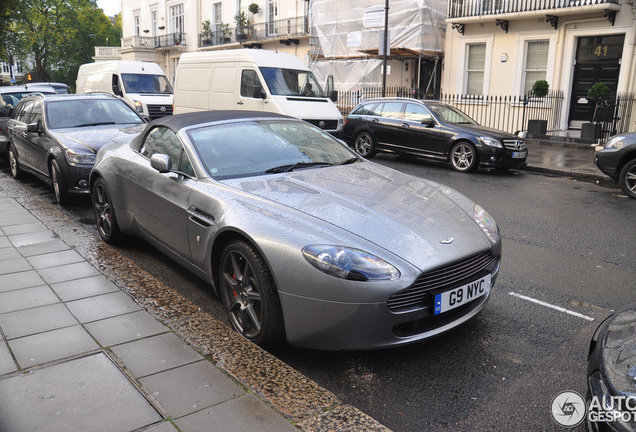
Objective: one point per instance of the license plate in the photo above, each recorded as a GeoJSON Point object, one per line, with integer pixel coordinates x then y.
{"type": "Point", "coordinates": [460, 296]}
{"type": "Point", "coordinates": [518, 155]}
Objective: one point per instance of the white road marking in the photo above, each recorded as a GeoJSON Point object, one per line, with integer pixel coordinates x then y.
{"type": "Point", "coordinates": [560, 309]}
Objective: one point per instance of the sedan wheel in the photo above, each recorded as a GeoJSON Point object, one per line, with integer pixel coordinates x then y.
{"type": "Point", "coordinates": [627, 179]}
{"type": "Point", "coordinates": [364, 145]}
{"type": "Point", "coordinates": [14, 164]}
{"type": "Point", "coordinates": [249, 295]}
{"type": "Point", "coordinates": [463, 157]}
{"type": "Point", "coordinates": [105, 213]}
{"type": "Point", "coordinates": [59, 184]}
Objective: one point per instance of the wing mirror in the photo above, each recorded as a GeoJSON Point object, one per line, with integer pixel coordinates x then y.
{"type": "Point", "coordinates": [34, 127]}
{"type": "Point", "coordinates": [258, 92]}
{"type": "Point", "coordinates": [428, 121]}
{"type": "Point", "coordinates": [117, 90]}
{"type": "Point", "coordinates": [161, 162]}
{"type": "Point", "coordinates": [333, 95]}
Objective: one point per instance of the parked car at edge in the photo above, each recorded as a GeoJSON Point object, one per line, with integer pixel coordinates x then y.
{"type": "Point", "coordinates": [433, 130]}
{"type": "Point", "coordinates": [611, 374]}
{"type": "Point", "coordinates": [618, 160]}
{"type": "Point", "coordinates": [304, 241]}
{"type": "Point", "coordinates": [60, 88]}
{"type": "Point", "coordinates": [55, 137]}
{"type": "Point", "coordinates": [10, 97]}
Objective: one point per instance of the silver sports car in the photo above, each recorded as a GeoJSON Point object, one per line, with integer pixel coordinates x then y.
{"type": "Point", "coordinates": [304, 241]}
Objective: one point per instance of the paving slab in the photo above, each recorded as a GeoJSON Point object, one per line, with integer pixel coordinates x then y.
{"type": "Point", "coordinates": [14, 265]}
{"type": "Point", "coordinates": [50, 346]}
{"type": "Point", "coordinates": [245, 413]}
{"type": "Point", "coordinates": [27, 298]}
{"type": "Point", "coordinates": [125, 328]}
{"type": "Point", "coordinates": [70, 396]}
{"type": "Point", "coordinates": [8, 253]}
{"type": "Point", "coordinates": [55, 259]}
{"type": "Point", "coordinates": [4, 242]}
{"type": "Point", "coordinates": [37, 320]}
{"type": "Point", "coordinates": [24, 228]}
{"type": "Point", "coordinates": [28, 239]}
{"type": "Point", "coordinates": [82, 288]}
{"type": "Point", "coordinates": [155, 354]}
{"type": "Point", "coordinates": [162, 427]}
{"type": "Point", "coordinates": [191, 388]}
{"type": "Point", "coordinates": [42, 248]}
{"type": "Point", "coordinates": [102, 306]}
{"type": "Point", "coordinates": [7, 365]}
{"type": "Point", "coordinates": [14, 281]}
{"type": "Point", "coordinates": [68, 272]}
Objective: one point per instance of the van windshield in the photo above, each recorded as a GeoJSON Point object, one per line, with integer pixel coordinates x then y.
{"type": "Point", "coordinates": [146, 83]}
{"type": "Point", "coordinates": [290, 82]}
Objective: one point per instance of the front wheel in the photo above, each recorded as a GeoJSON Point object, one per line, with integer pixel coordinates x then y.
{"type": "Point", "coordinates": [105, 213]}
{"type": "Point", "coordinates": [364, 145]}
{"type": "Point", "coordinates": [463, 157]}
{"type": "Point", "coordinates": [14, 164]}
{"type": "Point", "coordinates": [249, 295]}
{"type": "Point", "coordinates": [627, 179]}
{"type": "Point", "coordinates": [59, 184]}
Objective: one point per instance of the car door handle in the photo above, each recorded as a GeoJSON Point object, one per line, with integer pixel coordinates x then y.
{"type": "Point", "coordinates": [405, 125]}
{"type": "Point", "coordinates": [375, 120]}
{"type": "Point", "coordinates": [239, 103]}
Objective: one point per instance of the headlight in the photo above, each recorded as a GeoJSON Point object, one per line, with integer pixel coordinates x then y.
{"type": "Point", "coordinates": [491, 142]}
{"type": "Point", "coordinates": [615, 143]}
{"type": "Point", "coordinates": [139, 107]}
{"type": "Point", "coordinates": [340, 124]}
{"type": "Point", "coordinates": [349, 263]}
{"type": "Point", "coordinates": [74, 157]}
{"type": "Point", "coordinates": [486, 223]}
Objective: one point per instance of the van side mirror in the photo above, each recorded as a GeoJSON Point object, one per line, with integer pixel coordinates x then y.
{"type": "Point", "coordinates": [258, 92]}
{"type": "Point", "coordinates": [161, 162]}
{"type": "Point", "coordinates": [333, 95]}
{"type": "Point", "coordinates": [117, 90]}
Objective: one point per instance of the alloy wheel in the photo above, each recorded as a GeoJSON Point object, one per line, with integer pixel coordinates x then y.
{"type": "Point", "coordinates": [463, 157]}
{"type": "Point", "coordinates": [103, 214]}
{"type": "Point", "coordinates": [627, 179]}
{"type": "Point", "coordinates": [364, 145]}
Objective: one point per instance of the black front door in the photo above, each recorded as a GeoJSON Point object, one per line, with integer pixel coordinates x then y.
{"type": "Point", "coordinates": [597, 60]}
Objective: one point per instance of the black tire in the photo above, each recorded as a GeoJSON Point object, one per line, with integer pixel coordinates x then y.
{"type": "Point", "coordinates": [249, 295]}
{"type": "Point", "coordinates": [463, 157]}
{"type": "Point", "coordinates": [14, 164]}
{"type": "Point", "coordinates": [364, 145]}
{"type": "Point", "coordinates": [627, 179]}
{"type": "Point", "coordinates": [59, 184]}
{"type": "Point", "coordinates": [105, 218]}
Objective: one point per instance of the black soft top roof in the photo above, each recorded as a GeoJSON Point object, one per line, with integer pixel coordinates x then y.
{"type": "Point", "coordinates": [180, 121]}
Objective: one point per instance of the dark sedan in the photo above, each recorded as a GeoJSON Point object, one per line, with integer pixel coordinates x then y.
{"type": "Point", "coordinates": [434, 130]}
{"type": "Point", "coordinates": [56, 137]}
{"type": "Point", "coordinates": [618, 160]}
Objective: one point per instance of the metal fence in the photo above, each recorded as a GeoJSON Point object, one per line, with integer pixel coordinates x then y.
{"type": "Point", "coordinates": [470, 8]}
{"type": "Point", "coordinates": [507, 113]}
{"type": "Point", "coordinates": [613, 115]}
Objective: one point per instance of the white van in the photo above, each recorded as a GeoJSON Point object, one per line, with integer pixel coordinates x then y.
{"type": "Point", "coordinates": [256, 80]}
{"type": "Point", "coordinates": [142, 85]}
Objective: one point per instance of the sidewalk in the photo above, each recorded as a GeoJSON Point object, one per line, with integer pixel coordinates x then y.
{"type": "Point", "coordinates": [88, 341]}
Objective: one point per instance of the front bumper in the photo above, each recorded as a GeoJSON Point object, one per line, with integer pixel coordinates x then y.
{"type": "Point", "coordinates": [607, 161]}
{"type": "Point", "coordinates": [493, 157]}
{"type": "Point", "coordinates": [76, 177]}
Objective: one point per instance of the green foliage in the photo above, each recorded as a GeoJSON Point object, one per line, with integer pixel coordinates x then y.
{"type": "Point", "coordinates": [540, 88]}
{"type": "Point", "coordinates": [225, 28]}
{"type": "Point", "coordinates": [240, 19]}
{"type": "Point", "coordinates": [598, 92]}
{"type": "Point", "coordinates": [207, 27]}
{"type": "Point", "coordinates": [254, 8]}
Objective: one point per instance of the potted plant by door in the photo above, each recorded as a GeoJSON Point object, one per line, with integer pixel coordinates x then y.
{"type": "Point", "coordinates": [225, 30]}
{"type": "Point", "coordinates": [597, 93]}
{"type": "Point", "coordinates": [540, 89]}
{"type": "Point", "coordinates": [241, 25]}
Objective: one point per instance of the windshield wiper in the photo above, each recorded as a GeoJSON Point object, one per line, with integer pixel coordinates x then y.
{"type": "Point", "coordinates": [96, 124]}
{"type": "Point", "coordinates": [291, 167]}
{"type": "Point", "coordinates": [350, 161]}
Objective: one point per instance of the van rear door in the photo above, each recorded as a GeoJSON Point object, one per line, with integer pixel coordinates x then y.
{"type": "Point", "coordinates": [249, 78]}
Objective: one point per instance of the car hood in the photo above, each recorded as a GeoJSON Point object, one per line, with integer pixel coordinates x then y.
{"type": "Point", "coordinates": [92, 138]}
{"type": "Point", "coordinates": [486, 130]}
{"type": "Point", "coordinates": [412, 218]}
{"type": "Point", "coordinates": [619, 350]}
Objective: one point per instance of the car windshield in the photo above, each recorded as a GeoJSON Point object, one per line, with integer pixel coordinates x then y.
{"type": "Point", "coordinates": [449, 114]}
{"type": "Point", "coordinates": [252, 148]}
{"type": "Point", "coordinates": [89, 112]}
{"type": "Point", "coordinates": [146, 83]}
{"type": "Point", "coordinates": [290, 82]}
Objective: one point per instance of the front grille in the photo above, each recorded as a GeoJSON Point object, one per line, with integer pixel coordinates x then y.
{"type": "Point", "coordinates": [328, 124]}
{"type": "Point", "coordinates": [155, 111]}
{"type": "Point", "coordinates": [420, 293]}
{"type": "Point", "coordinates": [511, 144]}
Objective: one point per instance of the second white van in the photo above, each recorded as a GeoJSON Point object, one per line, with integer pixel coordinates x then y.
{"type": "Point", "coordinates": [256, 80]}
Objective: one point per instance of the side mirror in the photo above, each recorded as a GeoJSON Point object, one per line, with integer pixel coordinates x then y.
{"type": "Point", "coordinates": [117, 90]}
{"type": "Point", "coordinates": [161, 162]}
{"type": "Point", "coordinates": [34, 127]}
{"type": "Point", "coordinates": [259, 93]}
{"type": "Point", "coordinates": [428, 121]}
{"type": "Point", "coordinates": [333, 95]}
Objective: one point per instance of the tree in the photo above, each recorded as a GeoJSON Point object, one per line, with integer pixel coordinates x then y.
{"type": "Point", "coordinates": [6, 23]}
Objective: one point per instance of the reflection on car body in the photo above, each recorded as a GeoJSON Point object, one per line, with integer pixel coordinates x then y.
{"type": "Point", "coordinates": [305, 242]}
{"type": "Point", "coordinates": [618, 160]}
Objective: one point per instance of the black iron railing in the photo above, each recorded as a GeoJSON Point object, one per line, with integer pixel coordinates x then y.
{"type": "Point", "coordinates": [613, 115]}
{"type": "Point", "coordinates": [170, 40]}
{"type": "Point", "coordinates": [471, 8]}
{"type": "Point", "coordinates": [288, 28]}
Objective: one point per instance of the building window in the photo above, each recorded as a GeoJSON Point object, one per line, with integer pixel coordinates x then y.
{"type": "Point", "coordinates": [217, 16]}
{"type": "Point", "coordinates": [176, 18]}
{"type": "Point", "coordinates": [536, 63]}
{"type": "Point", "coordinates": [5, 67]}
{"type": "Point", "coordinates": [475, 69]}
{"type": "Point", "coordinates": [18, 66]}
{"type": "Point", "coordinates": [272, 17]}
{"type": "Point", "coordinates": [137, 25]}
{"type": "Point", "coordinates": [153, 22]}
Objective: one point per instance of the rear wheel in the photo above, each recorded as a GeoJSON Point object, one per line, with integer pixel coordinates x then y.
{"type": "Point", "coordinates": [249, 295]}
{"type": "Point", "coordinates": [105, 213]}
{"type": "Point", "coordinates": [627, 179]}
{"type": "Point", "coordinates": [463, 157]}
{"type": "Point", "coordinates": [364, 145]}
{"type": "Point", "coordinates": [14, 164]}
{"type": "Point", "coordinates": [59, 184]}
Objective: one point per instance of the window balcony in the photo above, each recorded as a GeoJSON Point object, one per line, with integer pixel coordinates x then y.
{"type": "Point", "coordinates": [286, 30]}
{"type": "Point", "coordinates": [467, 11]}
{"type": "Point", "coordinates": [156, 42]}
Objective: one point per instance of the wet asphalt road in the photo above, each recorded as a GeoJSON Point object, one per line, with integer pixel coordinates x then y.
{"type": "Point", "coordinates": [567, 243]}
